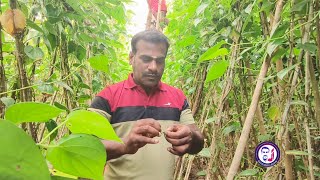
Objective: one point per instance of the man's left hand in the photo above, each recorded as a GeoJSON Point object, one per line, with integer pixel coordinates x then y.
{"type": "Point", "coordinates": [180, 136]}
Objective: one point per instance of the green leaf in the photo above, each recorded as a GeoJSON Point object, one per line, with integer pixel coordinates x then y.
{"type": "Point", "coordinates": [273, 112]}
{"type": "Point", "coordinates": [50, 125]}
{"type": "Point", "coordinates": [58, 175]}
{"type": "Point", "coordinates": [88, 122]}
{"type": "Point", "coordinates": [65, 85]}
{"type": "Point", "coordinates": [31, 112]}
{"type": "Point", "coordinates": [8, 101]}
{"type": "Point", "coordinates": [201, 173]}
{"type": "Point", "coordinates": [60, 178]}
{"type": "Point", "coordinates": [60, 106]}
{"type": "Point", "coordinates": [86, 38]}
{"type": "Point", "coordinates": [34, 26]}
{"type": "Point", "coordinates": [248, 8]}
{"type": "Point", "coordinates": [249, 172]}
{"type": "Point", "coordinates": [46, 88]}
{"type": "Point", "coordinates": [279, 30]}
{"type": "Point", "coordinates": [211, 120]}
{"type": "Point", "coordinates": [271, 47]}
{"type": "Point", "coordinates": [20, 157]}
{"type": "Point", "coordinates": [33, 52]}
{"type": "Point", "coordinates": [205, 152]}
{"type": "Point", "coordinates": [201, 8]}
{"type": "Point", "coordinates": [99, 63]}
{"type": "Point", "coordinates": [285, 71]}
{"type": "Point", "coordinates": [232, 128]}
{"type": "Point", "coordinates": [217, 70]}
{"type": "Point", "coordinates": [311, 47]}
{"type": "Point", "coordinates": [298, 153]}
{"type": "Point", "coordinates": [278, 55]}
{"type": "Point", "coordinates": [187, 41]}
{"type": "Point", "coordinates": [213, 52]}
{"type": "Point", "coordinates": [299, 6]}
{"type": "Point", "coordinates": [79, 155]}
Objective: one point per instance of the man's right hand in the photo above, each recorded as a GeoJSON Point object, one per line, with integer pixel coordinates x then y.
{"type": "Point", "coordinates": [142, 133]}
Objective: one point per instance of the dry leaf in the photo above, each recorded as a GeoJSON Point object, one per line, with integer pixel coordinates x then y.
{"type": "Point", "coordinates": [13, 21]}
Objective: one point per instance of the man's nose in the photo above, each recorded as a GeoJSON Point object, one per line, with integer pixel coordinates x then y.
{"type": "Point", "coordinates": [152, 65]}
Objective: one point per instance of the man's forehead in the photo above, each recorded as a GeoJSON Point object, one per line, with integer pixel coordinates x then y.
{"type": "Point", "coordinates": [147, 44]}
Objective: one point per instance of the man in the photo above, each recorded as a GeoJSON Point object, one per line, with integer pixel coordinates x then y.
{"type": "Point", "coordinates": [152, 18]}
{"type": "Point", "coordinates": [153, 119]}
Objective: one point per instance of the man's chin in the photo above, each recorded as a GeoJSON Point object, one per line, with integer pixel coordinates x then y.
{"type": "Point", "coordinates": [150, 85]}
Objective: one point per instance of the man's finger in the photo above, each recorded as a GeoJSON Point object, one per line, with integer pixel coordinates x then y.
{"type": "Point", "coordinates": [146, 140]}
{"type": "Point", "coordinates": [173, 128]}
{"type": "Point", "coordinates": [173, 151]}
{"type": "Point", "coordinates": [181, 133]}
{"type": "Point", "coordinates": [147, 130]}
{"type": "Point", "coordinates": [179, 142]}
{"type": "Point", "coordinates": [151, 122]}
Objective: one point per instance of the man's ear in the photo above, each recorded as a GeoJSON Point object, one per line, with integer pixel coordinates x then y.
{"type": "Point", "coordinates": [131, 55]}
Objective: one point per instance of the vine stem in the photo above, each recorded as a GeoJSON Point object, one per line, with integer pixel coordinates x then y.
{"type": "Point", "coordinates": [48, 135]}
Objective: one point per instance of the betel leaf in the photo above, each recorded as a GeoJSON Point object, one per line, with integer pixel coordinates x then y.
{"type": "Point", "coordinates": [285, 71]}
{"type": "Point", "coordinates": [201, 173]}
{"type": "Point", "coordinates": [212, 52]}
{"type": "Point", "coordinates": [211, 120]}
{"type": "Point", "coordinates": [34, 26]}
{"type": "Point", "coordinates": [217, 70]}
{"type": "Point", "coordinates": [59, 174]}
{"type": "Point", "coordinates": [33, 52]}
{"type": "Point", "coordinates": [249, 172]}
{"type": "Point", "coordinates": [311, 47]}
{"type": "Point", "coordinates": [99, 63]}
{"type": "Point", "coordinates": [65, 85]}
{"type": "Point", "coordinates": [51, 125]}
{"type": "Point", "coordinates": [31, 112]}
{"type": "Point", "coordinates": [79, 155]}
{"type": "Point", "coordinates": [273, 112]}
{"type": "Point", "coordinates": [234, 126]}
{"type": "Point", "coordinates": [8, 101]}
{"type": "Point", "coordinates": [205, 152]}
{"type": "Point", "coordinates": [88, 122]}
{"type": "Point", "coordinates": [201, 8]}
{"type": "Point", "coordinates": [299, 6]}
{"type": "Point", "coordinates": [20, 157]}
{"type": "Point", "coordinates": [187, 41]}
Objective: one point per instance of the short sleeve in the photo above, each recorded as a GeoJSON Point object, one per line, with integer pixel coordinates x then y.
{"type": "Point", "coordinates": [186, 116]}
{"type": "Point", "coordinates": [101, 106]}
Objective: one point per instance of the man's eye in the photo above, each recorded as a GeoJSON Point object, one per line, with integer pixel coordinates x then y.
{"type": "Point", "coordinates": [146, 59]}
{"type": "Point", "coordinates": [160, 60]}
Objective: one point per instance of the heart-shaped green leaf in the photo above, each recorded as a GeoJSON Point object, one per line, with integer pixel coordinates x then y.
{"type": "Point", "coordinates": [31, 112]}
{"type": "Point", "coordinates": [19, 156]}
{"type": "Point", "coordinates": [99, 63]}
{"type": "Point", "coordinates": [88, 122]}
{"type": "Point", "coordinates": [217, 70]}
{"type": "Point", "coordinates": [79, 155]}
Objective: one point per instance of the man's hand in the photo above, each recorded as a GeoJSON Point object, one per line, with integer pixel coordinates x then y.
{"type": "Point", "coordinates": [184, 139]}
{"type": "Point", "coordinates": [142, 133]}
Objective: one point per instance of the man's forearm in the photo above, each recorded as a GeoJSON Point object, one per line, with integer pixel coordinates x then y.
{"type": "Point", "coordinates": [114, 149]}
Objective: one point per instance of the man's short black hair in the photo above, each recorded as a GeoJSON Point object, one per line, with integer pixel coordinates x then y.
{"type": "Point", "coordinates": [151, 36]}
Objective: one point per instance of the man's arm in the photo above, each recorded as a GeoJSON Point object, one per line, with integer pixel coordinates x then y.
{"type": "Point", "coordinates": [142, 133]}
{"type": "Point", "coordinates": [184, 139]}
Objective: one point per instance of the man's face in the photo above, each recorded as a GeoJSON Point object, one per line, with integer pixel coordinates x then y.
{"type": "Point", "coordinates": [148, 63]}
